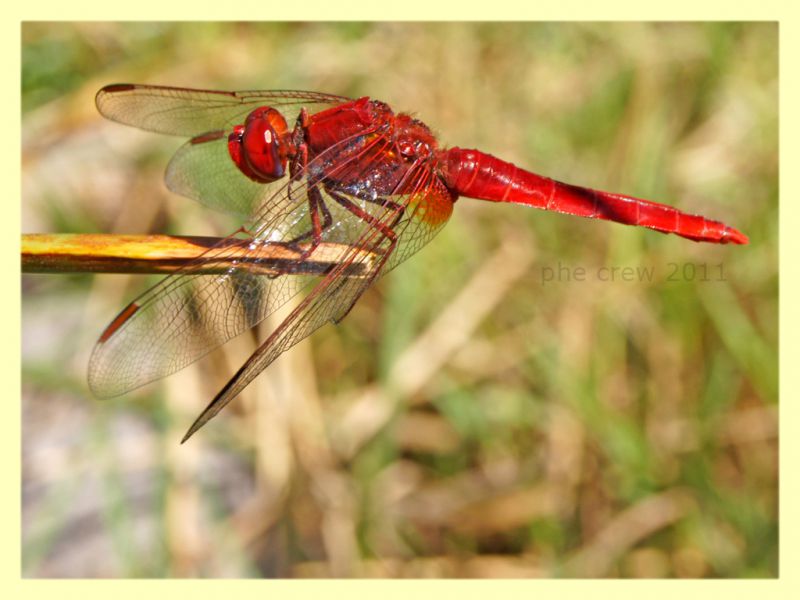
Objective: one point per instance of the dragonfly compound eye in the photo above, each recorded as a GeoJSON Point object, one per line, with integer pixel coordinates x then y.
{"type": "Point", "coordinates": [259, 148]}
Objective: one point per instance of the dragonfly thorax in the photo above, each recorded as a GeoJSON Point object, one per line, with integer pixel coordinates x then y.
{"type": "Point", "coordinates": [413, 139]}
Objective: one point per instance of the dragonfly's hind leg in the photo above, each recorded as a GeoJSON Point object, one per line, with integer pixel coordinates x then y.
{"type": "Point", "coordinates": [386, 229]}
{"type": "Point", "coordinates": [395, 207]}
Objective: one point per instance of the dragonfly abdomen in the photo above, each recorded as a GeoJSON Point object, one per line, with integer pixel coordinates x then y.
{"type": "Point", "coordinates": [482, 176]}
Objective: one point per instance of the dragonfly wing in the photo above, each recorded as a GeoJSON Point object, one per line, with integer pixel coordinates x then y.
{"type": "Point", "coordinates": [332, 296]}
{"type": "Point", "coordinates": [189, 112]}
{"type": "Point", "coordinates": [202, 170]}
{"type": "Point", "coordinates": [394, 232]}
{"type": "Point", "coordinates": [191, 312]}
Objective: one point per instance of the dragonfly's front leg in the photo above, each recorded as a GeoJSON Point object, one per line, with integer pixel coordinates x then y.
{"type": "Point", "coordinates": [316, 204]}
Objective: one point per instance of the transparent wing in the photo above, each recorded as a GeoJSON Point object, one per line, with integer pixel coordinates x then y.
{"type": "Point", "coordinates": [399, 229]}
{"type": "Point", "coordinates": [189, 313]}
{"type": "Point", "coordinates": [202, 170]}
{"type": "Point", "coordinates": [188, 112]}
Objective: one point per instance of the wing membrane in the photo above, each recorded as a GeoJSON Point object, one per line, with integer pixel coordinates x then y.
{"type": "Point", "coordinates": [395, 233]}
{"type": "Point", "coordinates": [188, 112]}
{"type": "Point", "coordinates": [202, 170]}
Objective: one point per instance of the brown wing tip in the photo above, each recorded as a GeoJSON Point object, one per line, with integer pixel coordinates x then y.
{"type": "Point", "coordinates": [194, 428]}
{"type": "Point", "coordinates": [114, 88]}
{"type": "Point", "coordinates": [118, 322]}
{"type": "Point", "coordinates": [209, 136]}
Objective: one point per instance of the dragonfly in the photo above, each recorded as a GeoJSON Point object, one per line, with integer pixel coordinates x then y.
{"type": "Point", "coordinates": [306, 170]}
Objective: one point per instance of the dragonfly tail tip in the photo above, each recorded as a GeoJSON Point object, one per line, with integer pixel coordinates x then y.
{"type": "Point", "coordinates": [733, 236]}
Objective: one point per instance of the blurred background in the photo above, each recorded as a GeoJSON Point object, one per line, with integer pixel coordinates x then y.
{"type": "Point", "coordinates": [480, 413]}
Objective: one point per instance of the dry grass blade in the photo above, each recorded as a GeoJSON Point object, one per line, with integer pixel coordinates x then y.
{"type": "Point", "coordinates": [111, 253]}
{"type": "Point", "coordinates": [627, 529]}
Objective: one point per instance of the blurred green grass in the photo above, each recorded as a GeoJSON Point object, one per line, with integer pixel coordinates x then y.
{"type": "Point", "coordinates": [573, 407]}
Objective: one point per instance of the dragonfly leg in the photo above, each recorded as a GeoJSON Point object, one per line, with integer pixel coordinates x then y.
{"type": "Point", "coordinates": [365, 216]}
{"type": "Point", "coordinates": [386, 230]}
{"type": "Point", "coordinates": [315, 202]}
{"type": "Point", "coordinates": [400, 209]}
{"type": "Point", "coordinates": [316, 205]}
{"type": "Point", "coordinates": [245, 231]}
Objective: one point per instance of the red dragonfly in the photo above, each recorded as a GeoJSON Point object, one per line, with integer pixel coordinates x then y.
{"type": "Point", "coordinates": [350, 173]}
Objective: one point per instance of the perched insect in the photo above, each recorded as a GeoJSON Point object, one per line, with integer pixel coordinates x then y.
{"type": "Point", "coordinates": [350, 173]}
